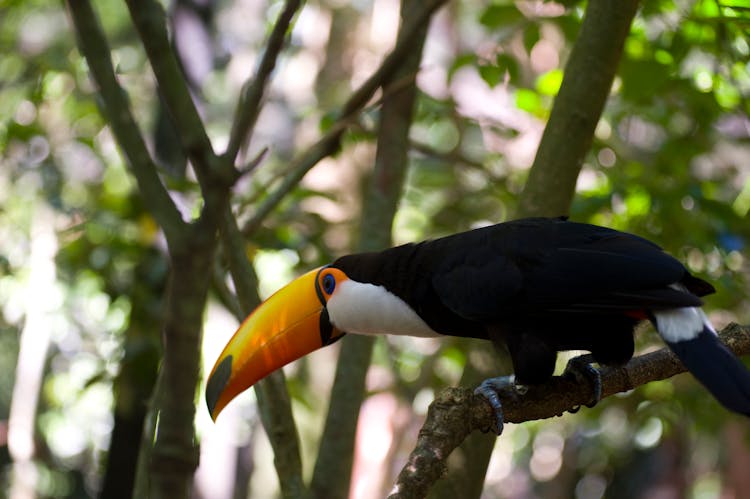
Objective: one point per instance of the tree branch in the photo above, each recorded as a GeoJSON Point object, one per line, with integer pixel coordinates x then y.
{"type": "Point", "coordinates": [550, 187]}
{"type": "Point", "coordinates": [585, 87]}
{"type": "Point", "coordinates": [331, 141]}
{"type": "Point", "coordinates": [457, 412]}
{"type": "Point", "coordinates": [333, 467]}
{"type": "Point", "coordinates": [116, 108]}
{"type": "Point", "coordinates": [249, 105]}
{"type": "Point", "coordinates": [271, 392]}
{"type": "Point", "coordinates": [150, 21]}
{"type": "Point", "coordinates": [173, 449]}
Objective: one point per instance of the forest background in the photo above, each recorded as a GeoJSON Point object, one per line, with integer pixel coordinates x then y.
{"type": "Point", "coordinates": [368, 129]}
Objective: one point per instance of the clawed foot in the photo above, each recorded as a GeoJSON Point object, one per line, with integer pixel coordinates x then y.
{"type": "Point", "coordinates": [581, 367]}
{"type": "Point", "coordinates": [489, 389]}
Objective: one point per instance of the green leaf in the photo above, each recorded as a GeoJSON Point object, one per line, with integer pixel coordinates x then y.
{"type": "Point", "coordinates": [327, 121]}
{"type": "Point", "coordinates": [508, 63]}
{"type": "Point", "coordinates": [461, 61]}
{"type": "Point", "coordinates": [643, 79]}
{"type": "Point", "coordinates": [530, 36]}
{"type": "Point", "coordinates": [496, 16]}
{"type": "Point", "coordinates": [638, 202]}
{"type": "Point", "coordinates": [727, 95]}
{"type": "Point", "coordinates": [528, 100]}
{"type": "Point", "coordinates": [549, 82]}
{"type": "Point", "coordinates": [491, 74]}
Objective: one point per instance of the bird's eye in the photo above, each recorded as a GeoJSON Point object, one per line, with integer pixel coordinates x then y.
{"type": "Point", "coordinates": [329, 283]}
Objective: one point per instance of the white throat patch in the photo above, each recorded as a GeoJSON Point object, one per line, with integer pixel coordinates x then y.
{"type": "Point", "coordinates": [361, 308]}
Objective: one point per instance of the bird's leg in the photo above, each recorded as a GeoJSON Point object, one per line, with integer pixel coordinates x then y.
{"type": "Point", "coordinates": [489, 389]}
{"type": "Point", "coordinates": [581, 367]}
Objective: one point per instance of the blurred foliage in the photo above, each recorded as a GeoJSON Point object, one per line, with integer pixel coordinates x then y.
{"type": "Point", "coordinates": [671, 161]}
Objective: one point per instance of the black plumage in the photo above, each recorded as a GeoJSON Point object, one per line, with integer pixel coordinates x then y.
{"type": "Point", "coordinates": [536, 286]}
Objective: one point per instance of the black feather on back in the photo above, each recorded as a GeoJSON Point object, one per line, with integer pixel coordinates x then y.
{"type": "Point", "coordinates": [550, 264]}
{"type": "Point", "coordinates": [537, 285]}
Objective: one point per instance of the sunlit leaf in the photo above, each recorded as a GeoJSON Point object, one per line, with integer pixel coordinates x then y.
{"type": "Point", "coordinates": [549, 82]}
{"type": "Point", "coordinates": [528, 100]}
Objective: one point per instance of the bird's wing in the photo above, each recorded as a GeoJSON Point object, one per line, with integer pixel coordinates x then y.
{"type": "Point", "coordinates": [561, 267]}
{"type": "Point", "coordinates": [619, 269]}
{"type": "Point", "coordinates": [474, 288]}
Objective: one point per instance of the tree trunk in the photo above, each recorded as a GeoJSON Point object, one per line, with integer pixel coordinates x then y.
{"type": "Point", "coordinates": [174, 456]}
{"type": "Point", "coordinates": [550, 188]}
{"type": "Point", "coordinates": [135, 381]}
{"type": "Point", "coordinates": [332, 475]}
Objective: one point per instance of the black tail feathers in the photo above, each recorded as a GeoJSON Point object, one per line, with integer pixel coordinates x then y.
{"type": "Point", "coordinates": [717, 368]}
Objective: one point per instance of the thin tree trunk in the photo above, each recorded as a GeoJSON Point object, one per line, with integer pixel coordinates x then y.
{"type": "Point", "coordinates": [467, 465]}
{"type": "Point", "coordinates": [334, 77]}
{"type": "Point", "coordinates": [578, 106]}
{"type": "Point", "coordinates": [135, 381]}
{"type": "Point", "coordinates": [32, 356]}
{"type": "Point", "coordinates": [550, 188]}
{"type": "Point", "coordinates": [174, 456]}
{"type": "Point", "coordinates": [273, 398]}
{"type": "Point", "coordinates": [333, 467]}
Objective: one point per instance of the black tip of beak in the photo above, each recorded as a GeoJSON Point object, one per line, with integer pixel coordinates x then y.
{"type": "Point", "coordinates": [217, 382]}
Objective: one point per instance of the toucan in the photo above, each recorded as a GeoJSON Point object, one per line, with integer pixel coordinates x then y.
{"type": "Point", "coordinates": [534, 286]}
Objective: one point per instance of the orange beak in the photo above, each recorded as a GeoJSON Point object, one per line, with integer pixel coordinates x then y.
{"type": "Point", "coordinates": [290, 324]}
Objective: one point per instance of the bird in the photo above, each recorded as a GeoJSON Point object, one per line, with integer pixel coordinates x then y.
{"type": "Point", "coordinates": [533, 287]}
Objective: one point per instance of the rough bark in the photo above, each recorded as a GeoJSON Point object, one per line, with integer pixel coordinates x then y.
{"type": "Point", "coordinates": [249, 104]}
{"type": "Point", "coordinates": [273, 398]}
{"type": "Point", "coordinates": [331, 142]}
{"type": "Point", "coordinates": [550, 188]}
{"type": "Point", "coordinates": [136, 377]}
{"type": "Point", "coordinates": [457, 412]}
{"type": "Point", "coordinates": [174, 455]}
{"type": "Point", "coordinates": [331, 478]}
{"type": "Point", "coordinates": [468, 464]}
{"type": "Point", "coordinates": [568, 135]}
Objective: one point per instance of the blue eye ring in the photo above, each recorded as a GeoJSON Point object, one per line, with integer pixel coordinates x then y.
{"type": "Point", "coordinates": [329, 283]}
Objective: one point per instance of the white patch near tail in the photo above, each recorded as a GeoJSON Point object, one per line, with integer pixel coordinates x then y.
{"type": "Point", "coordinates": [681, 324]}
{"type": "Point", "coordinates": [363, 308]}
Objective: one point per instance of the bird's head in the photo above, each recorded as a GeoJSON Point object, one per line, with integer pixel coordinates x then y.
{"type": "Point", "coordinates": [293, 322]}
